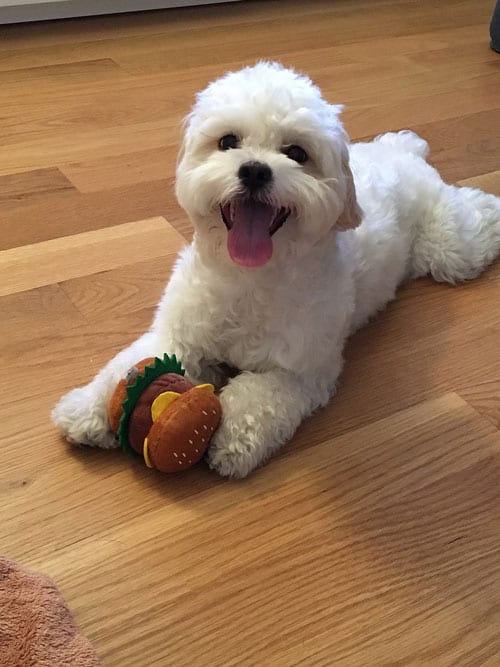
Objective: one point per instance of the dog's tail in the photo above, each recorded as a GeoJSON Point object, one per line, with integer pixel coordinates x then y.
{"type": "Point", "coordinates": [406, 141]}
{"type": "Point", "coordinates": [459, 235]}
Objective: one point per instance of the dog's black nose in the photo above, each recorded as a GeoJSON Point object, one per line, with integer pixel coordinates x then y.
{"type": "Point", "coordinates": [254, 175]}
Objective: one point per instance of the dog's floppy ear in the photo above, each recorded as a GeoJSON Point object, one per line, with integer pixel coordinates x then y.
{"type": "Point", "coordinates": [352, 214]}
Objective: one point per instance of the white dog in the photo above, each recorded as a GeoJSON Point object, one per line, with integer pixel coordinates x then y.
{"type": "Point", "coordinates": [299, 240]}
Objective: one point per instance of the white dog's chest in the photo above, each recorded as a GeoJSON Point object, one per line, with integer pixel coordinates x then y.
{"type": "Point", "coordinates": [253, 334]}
{"type": "Point", "coordinates": [286, 320]}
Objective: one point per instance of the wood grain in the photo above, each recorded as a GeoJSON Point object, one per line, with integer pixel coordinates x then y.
{"type": "Point", "coordinates": [120, 170]}
{"type": "Point", "coordinates": [373, 538]}
{"type": "Point", "coordinates": [82, 254]}
{"type": "Point", "coordinates": [489, 182]}
{"type": "Point", "coordinates": [29, 220]}
{"type": "Point", "coordinates": [17, 187]}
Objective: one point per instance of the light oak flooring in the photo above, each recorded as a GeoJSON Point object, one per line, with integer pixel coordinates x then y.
{"type": "Point", "coordinates": [374, 538]}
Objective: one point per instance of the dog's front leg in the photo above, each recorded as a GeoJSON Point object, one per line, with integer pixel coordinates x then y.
{"type": "Point", "coordinates": [260, 412]}
{"type": "Point", "coordinates": [81, 415]}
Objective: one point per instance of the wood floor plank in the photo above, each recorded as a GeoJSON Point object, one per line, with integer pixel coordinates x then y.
{"type": "Point", "coordinates": [489, 182]}
{"type": "Point", "coordinates": [121, 170]}
{"type": "Point", "coordinates": [82, 71]}
{"type": "Point", "coordinates": [44, 263]}
{"type": "Point", "coordinates": [464, 159]}
{"type": "Point", "coordinates": [75, 144]}
{"type": "Point", "coordinates": [120, 26]}
{"type": "Point", "coordinates": [36, 313]}
{"type": "Point", "coordinates": [485, 398]}
{"type": "Point", "coordinates": [131, 288]}
{"type": "Point", "coordinates": [351, 24]}
{"type": "Point", "coordinates": [18, 187]}
{"type": "Point", "coordinates": [394, 513]}
{"type": "Point", "coordinates": [480, 106]}
{"type": "Point", "coordinates": [63, 359]}
{"type": "Point", "coordinates": [67, 212]}
{"type": "Point", "coordinates": [108, 107]}
{"type": "Point", "coordinates": [213, 45]}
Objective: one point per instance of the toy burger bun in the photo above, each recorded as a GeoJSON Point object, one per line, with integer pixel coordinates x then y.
{"type": "Point", "coordinates": [182, 429]}
{"type": "Point", "coordinates": [158, 413]}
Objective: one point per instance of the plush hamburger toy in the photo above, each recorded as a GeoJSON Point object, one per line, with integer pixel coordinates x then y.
{"type": "Point", "coordinates": [156, 412]}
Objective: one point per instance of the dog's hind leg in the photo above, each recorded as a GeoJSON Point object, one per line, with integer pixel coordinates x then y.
{"type": "Point", "coordinates": [458, 236]}
{"type": "Point", "coordinates": [457, 230]}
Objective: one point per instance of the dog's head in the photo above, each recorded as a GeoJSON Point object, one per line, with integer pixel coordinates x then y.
{"type": "Point", "coordinates": [264, 167]}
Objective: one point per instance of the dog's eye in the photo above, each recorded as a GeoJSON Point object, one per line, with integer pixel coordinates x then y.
{"type": "Point", "coordinates": [228, 141]}
{"type": "Point", "coordinates": [296, 153]}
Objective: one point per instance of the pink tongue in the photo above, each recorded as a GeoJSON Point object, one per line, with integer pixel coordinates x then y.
{"type": "Point", "coordinates": [249, 242]}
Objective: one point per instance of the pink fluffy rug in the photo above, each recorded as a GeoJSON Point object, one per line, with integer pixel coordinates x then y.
{"type": "Point", "coordinates": [36, 626]}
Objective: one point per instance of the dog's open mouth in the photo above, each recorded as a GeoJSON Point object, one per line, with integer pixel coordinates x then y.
{"type": "Point", "coordinates": [250, 225]}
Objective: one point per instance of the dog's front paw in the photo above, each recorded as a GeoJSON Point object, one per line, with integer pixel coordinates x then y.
{"type": "Point", "coordinates": [260, 412]}
{"type": "Point", "coordinates": [236, 448]}
{"type": "Point", "coordinates": [247, 434]}
{"type": "Point", "coordinates": [82, 418]}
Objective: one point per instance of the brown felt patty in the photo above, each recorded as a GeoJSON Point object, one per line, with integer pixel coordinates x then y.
{"type": "Point", "coordinates": [141, 420]}
{"type": "Point", "coordinates": [120, 394]}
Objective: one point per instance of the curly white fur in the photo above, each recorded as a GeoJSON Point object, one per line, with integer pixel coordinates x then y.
{"type": "Point", "coordinates": [284, 325]}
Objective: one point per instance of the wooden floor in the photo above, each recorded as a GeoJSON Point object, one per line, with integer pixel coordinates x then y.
{"type": "Point", "coordinates": [374, 538]}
